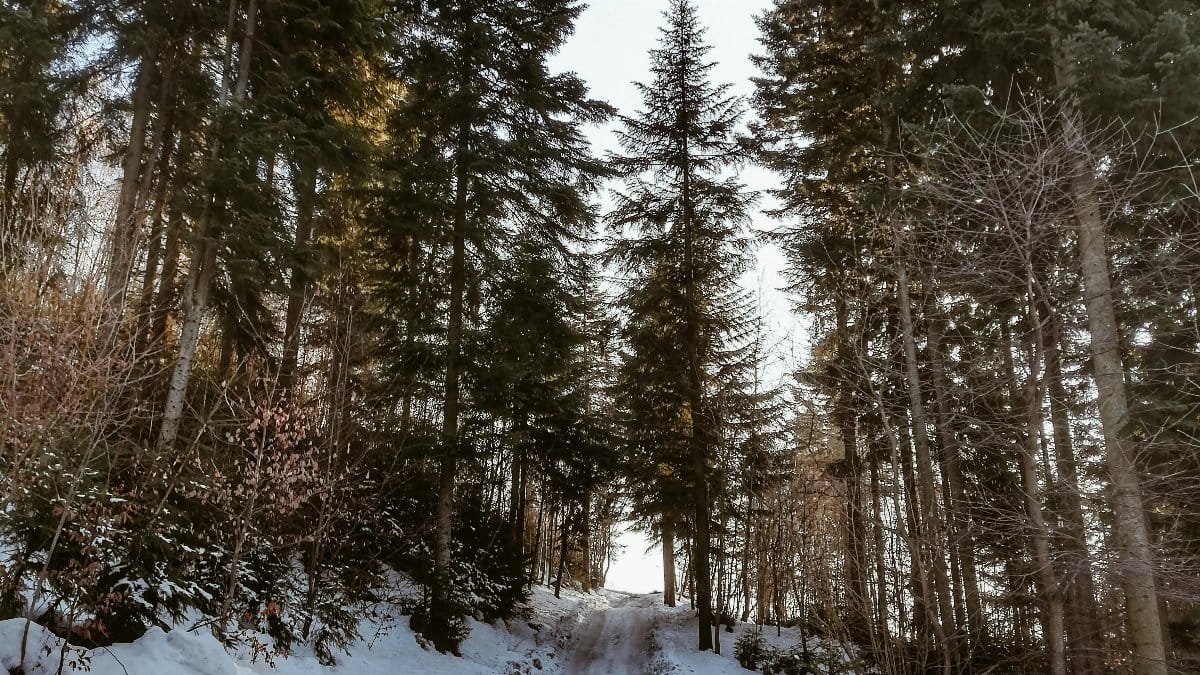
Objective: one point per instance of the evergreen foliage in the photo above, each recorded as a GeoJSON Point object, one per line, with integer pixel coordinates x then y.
{"type": "Point", "coordinates": [489, 155]}
{"type": "Point", "coordinates": [681, 246]}
{"type": "Point", "coordinates": [304, 310]}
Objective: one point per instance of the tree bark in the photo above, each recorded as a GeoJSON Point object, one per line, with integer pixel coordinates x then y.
{"type": "Point", "coordinates": [931, 526]}
{"type": "Point", "coordinates": [450, 409]}
{"type": "Point", "coordinates": [747, 549]}
{"type": "Point", "coordinates": [1039, 533]}
{"type": "Point", "coordinates": [204, 262]}
{"type": "Point", "coordinates": [562, 555]}
{"type": "Point", "coordinates": [668, 552]}
{"type": "Point", "coordinates": [857, 599]}
{"type": "Point", "coordinates": [306, 198]}
{"type": "Point", "coordinates": [1133, 537]}
{"type": "Point", "coordinates": [1083, 629]}
{"type": "Point", "coordinates": [882, 630]}
{"type": "Point", "coordinates": [586, 543]}
{"type": "Point", "coordinates": [123, 240]}
{"type": "Point", "coordinates": [962, 539]}
{"type": "Point", "coordinates": [699, 436]}
{"type": "Point", "coordinates": [1146, 635]}
{"type": "Point", "coordinates": [155, 255]}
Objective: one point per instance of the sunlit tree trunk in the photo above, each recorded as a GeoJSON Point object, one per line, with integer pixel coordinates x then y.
{"type": "Point", "coordinates": [204, 261]}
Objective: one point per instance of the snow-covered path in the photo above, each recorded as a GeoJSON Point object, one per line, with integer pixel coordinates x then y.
{"type": "Point", "coordinates": [614, 639]}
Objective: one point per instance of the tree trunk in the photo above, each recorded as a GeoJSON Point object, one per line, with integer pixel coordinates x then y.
{"type": "Point", "coordinates": [516, 502]}
{"type": "Point", "coordinates": [306, 198]}
{"type": "Point", "coordinates": [1132, 532]}
{"type": "Point", "coordinates": [123, 240]}
{"type": "Point", "coordinates": [155, 256]}
{"type": "Point", "coordinates": [668, 551]}
{"type": "Point", "coordinates": [1133, 537]}
{"type": "Point", "coordinates": [930, 519]}
{"type": "Point", "coordinates": [537, 543]}
{"type": "Point", "coordinates": [1039, 533]}
{"type": "Point", "coordinates": [719, 605]}
{"type": "Point", "coordinates": [1083, 627]}
{"type": "Point", "coordinates": [164, 298]}
{"type": "Point", "coordinates": [204, 262]}
{"type": "Point", "coordinates": [882, 630]}
{"type": "Point", "coordinates": [747, 549]}
{"type": "Point", "coordinates": [562, 556]}
{"type": "Point", "coordinates": [958, 520]}
{"type": "Point", "coordinates": [857, 599]}
{"type": "Point", "coordinates": [195, 306]}
{"type": "Point", "coordinates": [699, 436]}
{"type": "Point", "coordinates": [450, 409]}
{"type": "Point", "coordinates": [586, 543]}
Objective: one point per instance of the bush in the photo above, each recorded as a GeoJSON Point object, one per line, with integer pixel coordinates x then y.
{"type": "Point", "coordinates": [750, 649]}
{"type": "Point", "coordinates": [492, 576]}
{"type": "Point", "coordinates": [92, 546]}
{"type": "Point", "coordinates": [258, 519]}
{"type": "Point", "coordinates": [752, 653]}
{"type": "Point", "coordinates": [787, 662]}
{"type": "Point", "coordinates": [442, 623]}
{"type": "Point", "coordinates": [489, 582]}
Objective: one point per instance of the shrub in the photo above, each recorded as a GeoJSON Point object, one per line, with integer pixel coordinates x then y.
{"type": "Point", "coordinates": [753, 653]}
{"type": "Point", "coordinates": [750, 649]}
{"type": "Point", "coordinates": [489, 582]}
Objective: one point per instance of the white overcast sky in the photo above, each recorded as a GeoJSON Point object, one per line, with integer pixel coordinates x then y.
{"type": "Point", "coordinates": [610, 51]}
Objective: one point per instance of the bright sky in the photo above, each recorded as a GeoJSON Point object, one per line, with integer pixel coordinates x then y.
{"type": "Point", "coordinates": [610, 51]}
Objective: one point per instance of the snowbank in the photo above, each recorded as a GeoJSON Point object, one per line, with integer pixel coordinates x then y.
{"type": "Point", "coordinates": [387, 647]}
{"type": "Point", "coordinates": [546, 642]}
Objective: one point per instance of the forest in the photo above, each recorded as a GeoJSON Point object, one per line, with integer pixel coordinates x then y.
{"type": "Point", "coordinates": [301, 297]}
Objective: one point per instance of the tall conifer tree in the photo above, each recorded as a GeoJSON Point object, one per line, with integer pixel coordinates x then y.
{"type": "Point", "coordinates": [489, 146]}
{"type": "Point", "coordinates": [683, 218]}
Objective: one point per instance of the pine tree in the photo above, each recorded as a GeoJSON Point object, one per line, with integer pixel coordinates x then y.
{"type": "Point", "coordinates": [684, 249]}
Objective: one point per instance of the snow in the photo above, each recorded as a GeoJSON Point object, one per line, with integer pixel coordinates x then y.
{"type": "Point", "coordinates": [602, 632]}
{"type": "Point", "coordinates": [157, 652]}
{"type": "Point", "coordinates": [675, 639]}
{"type": "Point", "coordinates": [615, 639]}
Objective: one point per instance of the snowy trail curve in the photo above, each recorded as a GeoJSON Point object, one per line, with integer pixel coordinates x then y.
{"type": "Point", "coordinates": [615, 639]}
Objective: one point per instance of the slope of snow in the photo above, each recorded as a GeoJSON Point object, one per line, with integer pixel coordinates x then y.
{"type": "Point", "coordinates": [604, 632]}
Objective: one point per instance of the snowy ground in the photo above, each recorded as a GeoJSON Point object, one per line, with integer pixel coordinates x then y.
{"type": "Point", "coordinates": [605, 632]}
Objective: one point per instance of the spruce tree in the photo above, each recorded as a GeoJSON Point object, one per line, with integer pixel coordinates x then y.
{"type": "Point", "coordinates": [683, 219]}
{"type": "Point", "coordinates": [853, 87]}
{"type": "Point", "coordinates": [36, 82]}
{"type": "Point", "coordinates": [488, 144]}
{"type": "Point", "coordinates": [838, 84]}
